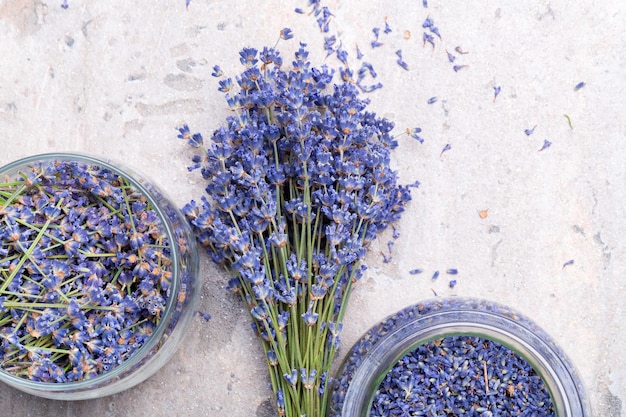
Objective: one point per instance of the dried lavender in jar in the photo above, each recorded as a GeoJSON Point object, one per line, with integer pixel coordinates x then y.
{"type": "Point", "coordinates": [462, 376]}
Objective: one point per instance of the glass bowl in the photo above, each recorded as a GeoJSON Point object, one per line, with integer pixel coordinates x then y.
{"type": "Point", "coordinates": [381, 347]}
{"type": "Point", "coordinates": [167, 243]}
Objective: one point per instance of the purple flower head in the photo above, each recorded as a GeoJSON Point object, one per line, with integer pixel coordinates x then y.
{"type": "Point", "coordinates": [217, 71]}
{"type": "Point", "coordinates": [248, 57]}
{"type": "Point", "coordinates": [310, 318]}
{"type": "Point", "coordinates": [286, 34]}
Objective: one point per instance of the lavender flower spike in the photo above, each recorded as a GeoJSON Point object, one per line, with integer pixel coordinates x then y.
{"type": "Point", "coordinates": [298, 184]}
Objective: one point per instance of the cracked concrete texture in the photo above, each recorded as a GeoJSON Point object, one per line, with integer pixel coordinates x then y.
{"type": "Point", "coordinates": [114, 79]}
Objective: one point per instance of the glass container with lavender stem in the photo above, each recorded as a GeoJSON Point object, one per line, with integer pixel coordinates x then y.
{"type": "Point", "coordinates": [109, 262]}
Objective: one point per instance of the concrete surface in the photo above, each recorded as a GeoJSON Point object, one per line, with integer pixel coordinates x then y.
{"type": "Point", "coordinates": [115, 78]}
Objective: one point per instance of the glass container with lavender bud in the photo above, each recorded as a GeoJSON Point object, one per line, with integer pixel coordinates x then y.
{"type": "Point", "coordinates": [457, 356]}
{"type": "Point", "coordinates": [97, 277]}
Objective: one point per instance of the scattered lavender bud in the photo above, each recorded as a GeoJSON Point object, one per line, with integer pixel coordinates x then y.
{"type": "Point", "coordinates": [579, 85]}
{"type": "Point", "coordinates": [452, 271]}
{"type": "Point", "coordinates": [366, 67]}
{"type": "Point", "coordinates": [370, 88]}
{"type": "Point", "coordinates": [187, 2]}
{"type": "Point", "coordinates": [416, 271]}
{"type": "Point", "coordinates": [217, 71]}
{"type": "Point", "coordinates": [414, 184]}
{"type": "Point", "coordinates": [432, 100]}
{"type": "Point", "coordinates": [435, 30]}
{"type": "Point", "coordinates": [428, 23]}
{"type": "Point", "coordinates": [342, 55]}
{"type": "Point", "coordinates": [205, 316]}
{"type": "Point", "coordinates": [329, 45]}
{"type": "Point", "coordinates": [414, 134]}
{"type": "Point", "coordinates": [530, 131]}
{"type": "Point", "coordinates": [435, 275]}
{"type": "Point", "coordinates": [425, 3]}
{"type": "Point", "coordinates": [451, 57]}
{"type": "Point", "coordinates": [546, 144]}
{"type": "Point", "coordinates": [400, 61]}
{"type": "Point", "coordinates": [286, 34]}
{"type": "Point", "coordinates": [452, 283]}
{"type": "Point", "coordinates": [387, 27]}
{"type": "Point", "coordinates": [403, 64]}
{"type": "Point", "coordinates": [427, 38]}
{"type": "Point", "coordinates": [298, 10]}
{"type": "Point", "coordinates": [460, 51]}
{"type": "Point", "coordinates": [456, 68]}
{"type": "Point", "coordinates": [568, 263]}
{"type": "Point", "coordinates": [496, 91]}
{"type": "Point", "coordinates": [324, 21]}
{"type": "Point", "coordinates": [359, 54]}
{"type": "Point", "coordinates": [376, 44]}
{"type": "Point", "coordinates": [64, 4]}
{"type": "Point", "coordinates": [445, 149]}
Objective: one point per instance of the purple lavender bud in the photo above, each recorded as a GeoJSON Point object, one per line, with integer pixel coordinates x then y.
{"type": "Point", "coordinates": [530, 131]}
{"type": "Point", "coordinates": [403, 64]}
{"type": "Point", "coordinates": [205, 316]}
{"type": "Point", "coordinates": [426, 37]}
{"type": "Point", "coordinates": [546, 144]}
{"type": "Point", "coordinates": [292, 378]}
{"type": "Point", "coordinates": [286, 34]}
{"type": "Point", "coordinates": [496, 91]}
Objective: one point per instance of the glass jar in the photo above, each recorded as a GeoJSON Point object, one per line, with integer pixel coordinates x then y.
{"type": "Point", "coordinates": [178, 305]}
{"type": "Point", "coordinates": [382, 346]}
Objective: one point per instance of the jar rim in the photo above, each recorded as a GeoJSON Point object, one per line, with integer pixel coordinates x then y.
{"type": "Point", "coordinates": [155, 337]}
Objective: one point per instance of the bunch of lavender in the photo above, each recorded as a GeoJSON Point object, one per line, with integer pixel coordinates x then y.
{"type": "Point", "coordinates": [299, 183]}
{"type": "Point", "coordinates": [85, 271]}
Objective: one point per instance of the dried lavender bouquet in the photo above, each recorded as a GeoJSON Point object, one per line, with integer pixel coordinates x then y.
{"type": "Point", "coordinates": [298, 184]}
